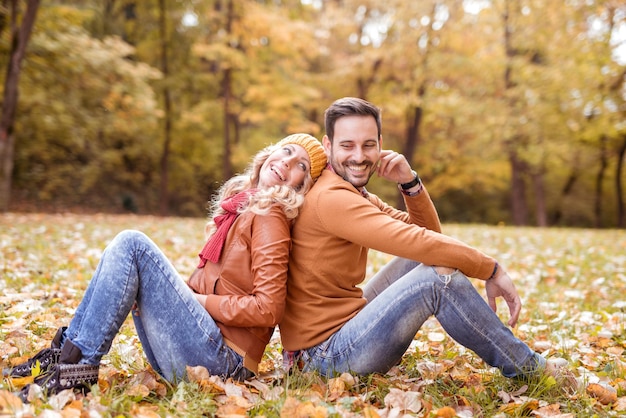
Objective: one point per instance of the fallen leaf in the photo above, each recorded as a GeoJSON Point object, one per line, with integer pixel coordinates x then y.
{"type": "Point", "coordinates": [149, 380]}
{"type": "Point", "coordinates": [405, 401]}
{"type": "Point", "coordinates": [551, 411]}
{"type": "Point", "coordinates": [475, 382]}
{"type": "Point", "coordinates": [234, 406]}
{"type": "Point", "coordinates": [445, 412]}
{"type": "Point", "coordinates": [20, 382]}
{"type": "Point", "coordinates": [436, 336]}
{"type": "Point", "coordinates": [429, 369]}
{"type": "Point", "coordinates": [369, 412]}
{"type": "Point", "coordinates": [62, 399]}
{"type": "Point", "coordinates": [137, 391]}
{"type": "Point", "coordinates": [620, 405]}
{"type": "Point", "coordinates": [292, 408]}
{"type": "Point", "coordinates": [197, 373]}
{"type": "Point", "coordinates": [267, 392]}
{"type": "Point", "coordinates": [68, 412]}
{"type": "Point", "coordinates": [604, 395]}
{"type": "Point", "coordinates": [145, 411]}
{"type": "Point", "coordinates": [542, 346]}
{"type": "Point", "coordinates": [8, 401]}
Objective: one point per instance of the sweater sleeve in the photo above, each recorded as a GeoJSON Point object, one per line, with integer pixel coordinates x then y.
{"type": "Point", "coordinates": [265, 303]}
{"type": "Point", "coordinates": [420, 210]}
{"type": "Point", "coordinates": [373, 224]}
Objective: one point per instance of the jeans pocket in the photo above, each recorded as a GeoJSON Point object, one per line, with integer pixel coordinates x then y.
{"type": "Point", "coordinates": [318, 352]}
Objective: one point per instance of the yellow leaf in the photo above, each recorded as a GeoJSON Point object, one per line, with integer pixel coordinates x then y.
{"type": "Point", "coordinates": [19, 382]}
{"type": "Point", "coordinates": [36, 369]}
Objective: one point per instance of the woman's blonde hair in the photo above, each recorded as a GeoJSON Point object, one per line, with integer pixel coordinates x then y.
{"type": "Point", "coordinates": [290, 199]}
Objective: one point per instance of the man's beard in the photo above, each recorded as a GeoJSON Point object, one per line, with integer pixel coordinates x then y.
{"type": "Point", "coordinates": [344, 172]}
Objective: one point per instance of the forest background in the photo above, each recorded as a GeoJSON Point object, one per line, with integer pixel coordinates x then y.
{"type": "Point", "coordinates": [511, 111]}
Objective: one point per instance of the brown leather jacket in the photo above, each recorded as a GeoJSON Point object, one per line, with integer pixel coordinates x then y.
{"type": "Point", "coordinates": [247, 288]}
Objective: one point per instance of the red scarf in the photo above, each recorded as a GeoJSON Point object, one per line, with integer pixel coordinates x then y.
{"type": "Point", "coordinates": [213, 248]}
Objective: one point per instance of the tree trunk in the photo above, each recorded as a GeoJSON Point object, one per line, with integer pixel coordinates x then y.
{"type": "Point", "coordinates": [412, 139]}
{"type": "Point", "coordinates": [227, 169]}
{"type": "Point", "coordinates": [416, 113]}
{"type": "Point", "coordinates": [540, 198]}
{"type": "Point", "coordinates": [518, 191]}
{"type": "Point", "coordinates": [364, 83]}
{"type": "Point", "coordinates": [19, 40]}
{"type": "Point", "coordinates": [518, 188]}
{"type": "Point", "coordinates": [619, 192]}
{"type": "Point", "coordinates": [567, 188]}
{"type": "Point", "coordinates": [599, 180]}
{"type": "Point", "coordinates": [167, 108]}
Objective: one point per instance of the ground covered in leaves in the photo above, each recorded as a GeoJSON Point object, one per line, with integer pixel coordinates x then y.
{"type": "Point", "coordinates": [572, 282]}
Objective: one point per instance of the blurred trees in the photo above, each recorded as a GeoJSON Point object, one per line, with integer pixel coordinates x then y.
{"type": "Point", "coordinates": [510, 110]}
{"type": "Point", "coordinates": [19, 34]}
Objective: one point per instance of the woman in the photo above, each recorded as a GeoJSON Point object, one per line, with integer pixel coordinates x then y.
{"type": "Point", "coordinates": [224, 317]}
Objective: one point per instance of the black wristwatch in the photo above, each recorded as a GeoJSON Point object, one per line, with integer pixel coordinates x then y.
{"type": "Point", "coordinates": [412, 183]}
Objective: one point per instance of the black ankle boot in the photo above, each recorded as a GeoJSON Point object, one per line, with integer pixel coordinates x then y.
{"type": "Point", "coordinates": [45, 359]}
{"type": "Point", "coordinates": [66, 374]}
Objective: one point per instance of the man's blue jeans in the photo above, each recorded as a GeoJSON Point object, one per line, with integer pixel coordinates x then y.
{"type": "Point", "coordinates": [401, 297]}
{"type": "Point", "coordinates": [174, 328]}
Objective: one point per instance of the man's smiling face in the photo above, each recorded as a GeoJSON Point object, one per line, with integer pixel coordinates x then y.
{"type": "Point", "coordinates": [355, 150]}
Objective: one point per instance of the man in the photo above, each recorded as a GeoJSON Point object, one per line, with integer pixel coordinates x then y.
{"type": "Point", "coordinates": [332, 326]}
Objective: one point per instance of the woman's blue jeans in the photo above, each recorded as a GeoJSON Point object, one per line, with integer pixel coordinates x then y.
{"type": "Point", "coordinates": [174, 328]}
{"type": "Point", "coordinates": [401, 297]}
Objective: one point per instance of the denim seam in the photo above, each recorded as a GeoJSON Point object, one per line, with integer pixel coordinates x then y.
{"type": "Point", "coordinates": [197, 314]}
{"type": "Point", "coordinates": [99, 348]}
{"type": "Point", "coordinates": [371, 325]}
{"type": "Point", "coordinates": [452, 302]}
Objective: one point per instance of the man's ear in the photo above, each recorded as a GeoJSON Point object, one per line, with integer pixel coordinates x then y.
{"type": "Point", "coordinates": [380, 143]}
{"type": "Point", "coordinates": [327, 145]}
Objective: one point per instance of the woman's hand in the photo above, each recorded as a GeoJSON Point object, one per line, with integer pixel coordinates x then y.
{"type": "Point", "coordinates": [200, 298]}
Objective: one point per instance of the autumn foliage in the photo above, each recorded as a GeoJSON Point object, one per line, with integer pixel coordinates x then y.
{"type": "Point", "coordinates": [572, 282]}
{"type": "Point", "coordinates": [511, 111]}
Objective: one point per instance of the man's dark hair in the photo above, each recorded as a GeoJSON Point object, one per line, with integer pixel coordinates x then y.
{"type": "Point", "coordinates": [350, 106]}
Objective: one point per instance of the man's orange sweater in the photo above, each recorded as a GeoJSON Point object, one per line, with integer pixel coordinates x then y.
{"type": "Point", "coordinates": [330, 240]}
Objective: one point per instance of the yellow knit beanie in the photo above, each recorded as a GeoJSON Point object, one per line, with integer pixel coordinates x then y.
{"type": "Point", "coordinates": [313, 147]}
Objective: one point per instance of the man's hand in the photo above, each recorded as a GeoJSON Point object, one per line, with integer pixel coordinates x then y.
{"type": "Point", "coordinates": [394, 167]}
{"type": "Point", "coordinates": [502, 285]}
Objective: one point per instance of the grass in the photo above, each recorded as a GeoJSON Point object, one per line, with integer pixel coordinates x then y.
{"type": "Point", "coordinates": [572, 283]}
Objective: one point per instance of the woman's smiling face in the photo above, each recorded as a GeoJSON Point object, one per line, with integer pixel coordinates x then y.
{"type": "Point", "coordinates": [287, 165]}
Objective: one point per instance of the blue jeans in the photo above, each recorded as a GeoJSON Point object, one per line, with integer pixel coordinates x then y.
{"type": "Point", "coordinates": [401, 297]}
{"type": "Point", "coordinates": [174, 328]}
